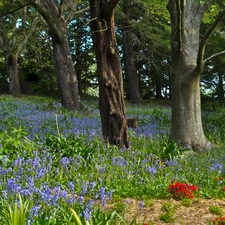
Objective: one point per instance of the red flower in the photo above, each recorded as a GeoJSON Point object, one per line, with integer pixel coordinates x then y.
{"type": "Point", "coordinates": [182, 190]}
{"type": "Point", "coordinates": [219, 221]}
{"type": "Point", "coordinates": [223, 188]}
{"type": "Point", "coordinates": [217, 178]}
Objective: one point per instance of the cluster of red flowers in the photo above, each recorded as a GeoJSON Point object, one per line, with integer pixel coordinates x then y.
{"type": "Point", "coordinates": [182, 190]}
{"type": "Point", "coordinates": [219, 221]}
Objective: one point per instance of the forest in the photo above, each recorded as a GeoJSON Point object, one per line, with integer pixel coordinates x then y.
{"type": "Point", "coordinates": [74, 74]}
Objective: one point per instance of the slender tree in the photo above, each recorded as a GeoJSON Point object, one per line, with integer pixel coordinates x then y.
{"type": "Point", "coordinates": [15, 31]}
{"type": "Point", "coordinates": [187, 65]}
{"type": "Point", "coordinates": [111, 99]}
{"type": "Point", "coordinates": [129, 54]}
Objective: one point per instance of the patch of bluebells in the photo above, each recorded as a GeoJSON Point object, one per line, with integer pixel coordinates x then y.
{"type": "Point", "coordinates": [71, 179]}
{"type": "Point", "coordinates": [217, 166]}
{"type": "Point", "coordinates": [38, 122]}
{"type": "Point", "coordinates": [33, 177]}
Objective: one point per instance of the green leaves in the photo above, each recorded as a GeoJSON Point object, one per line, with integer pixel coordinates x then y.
{"type": "Point", "coordinates": [12, 140]}
{"type": "Point", "coordinates": [16, 213]}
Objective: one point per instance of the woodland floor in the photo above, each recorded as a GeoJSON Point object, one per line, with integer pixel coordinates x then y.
{"type": "Point", "coordinates": [196, 214]}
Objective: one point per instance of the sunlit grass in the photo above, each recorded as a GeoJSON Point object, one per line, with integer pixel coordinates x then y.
{"type": "Point", "coordinates": [58, 160]}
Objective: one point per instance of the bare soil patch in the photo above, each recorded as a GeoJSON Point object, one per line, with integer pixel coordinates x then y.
{"type": "Point", "coordinates": [196, 214]}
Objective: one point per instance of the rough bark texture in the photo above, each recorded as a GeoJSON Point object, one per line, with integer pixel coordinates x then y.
{"type": "Point", "coordinates": [12, 68]}
{"type": "Point", "coordinates": [111, 99]}
{"type": "Point", "coordinates": [185, 74]}
{"type": "Point", "coordinates": [52, 12]}
{"type": "Point", "coordinates": [67, 80]}
{"type": "Point", "coordinates": [130, 64]}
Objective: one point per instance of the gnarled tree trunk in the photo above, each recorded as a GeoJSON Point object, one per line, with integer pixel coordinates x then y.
{"type": "Point", "coordinates": [111, 99]}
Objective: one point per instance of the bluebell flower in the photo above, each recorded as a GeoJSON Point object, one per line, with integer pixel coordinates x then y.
{"type": "Point", "coordinates": [217, 167]}
{"type": "Point", "coordinates": [65, 161]}
{"type": "Point", "coordinates": [12, 186]}
{"type": "Point", "coordinates": [142, 204]}
{"type": "Point", "coordinates": [71, 185]}
{"type": "Point", "coordinates": [151, 170]}
{"type": "Point", "coordinates": [81, 199]}
{"type": "Point", "coordinates": [92, 185]}
{"type": "Point", "coordinates": [87, 213]}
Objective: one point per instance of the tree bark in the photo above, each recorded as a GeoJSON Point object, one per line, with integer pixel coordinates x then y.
{"type": "Point", "coordinates": [67, 80]}
{"type": "Point", "coordinates": [130, 64]}
{"type": "Point", "coordinates": [12, 68]}
{"type": "Point", "coordinates": [220, 89]}
{"type": "Point", "coordinates": [186, 127]}
{"type": "Point", "coordinates": [111, 99]}
{"type": "Point", "coordinates": [52, 12]}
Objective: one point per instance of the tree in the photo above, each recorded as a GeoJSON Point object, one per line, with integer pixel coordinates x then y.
{"type": "Point", "coordinates": [111, 99]}
{"type": "Point", "coordinates": [57, 15]}
{"type": "Point", "coordinates": [37, 73]}
{"type": "Point", "coordinates": [212, 79]}
{"type": "Point", "coordinates": [15, 31]}
{"type": "Point", "coordinates": [187, 65]}
{"type": "Point", "coordinates": [129, 53]}
{"type": "Point", "coordinates": [146, 27]}
{"type": "Point", "coordinates": [82, 51]}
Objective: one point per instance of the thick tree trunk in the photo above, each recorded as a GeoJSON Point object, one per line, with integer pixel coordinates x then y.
{"type": "Point", "coordinates": [111, 99]}
{"type": "Point", "coordinates": [12, 68]}
{"type": "Point", "coordinates": [52, 12]}
{"type": "Point", "coordinates": [67, 80]}
{"type": "Point", "coordinates": [186, 127]}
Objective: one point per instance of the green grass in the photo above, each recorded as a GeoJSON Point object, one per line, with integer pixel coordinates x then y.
{"type": "Point", "coordinates": [54, 159]}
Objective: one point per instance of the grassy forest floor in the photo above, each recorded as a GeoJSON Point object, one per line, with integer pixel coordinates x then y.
{"type": "Point", "coordinates": [56, 161]}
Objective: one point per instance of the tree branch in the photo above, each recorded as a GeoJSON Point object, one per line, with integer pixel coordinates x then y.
{"type": "Point", "coordinates": [20, 7]}
{"type": "Point", "coordinates": [179, 25]}
{"type": "Point", "coordinates": [29, 33]}
{"type": "Point", "coordinates": [48, 17]}
{"type": "Point", "coordinates": [205, 38]}
{"type": "Point", "coordinates": [213, 56]}
{"type": "Point", "coordinates": [60, 7]}
{"type": "Point", "coordinates": [107, 8]}
{"type": "Point", "coordinates": [73, 12]}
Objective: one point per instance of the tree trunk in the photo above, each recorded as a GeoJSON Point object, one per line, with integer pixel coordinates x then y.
{"type": "Point", "coordinates": [186, 127]}
{"type": "Point", "coordinates": [53, 14]}
{"type": "Point", "coordinates": [111, 99]}
{"type": "Point", "coordinates": [67, 80]}
{"type": "Point", "coordinates": [220, 89]}
{"type": "Point", "coordinates": [79, 59]}
{"type": "Point", "coordinates": [12, 68]}
{"type": "Point", "coordinates": [157, 78]}
{"type": "Point", "coordinates": [130, 64]}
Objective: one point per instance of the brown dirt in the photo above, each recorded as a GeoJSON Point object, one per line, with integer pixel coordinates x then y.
{"type": "Point", "coordinates": [196, 214]}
